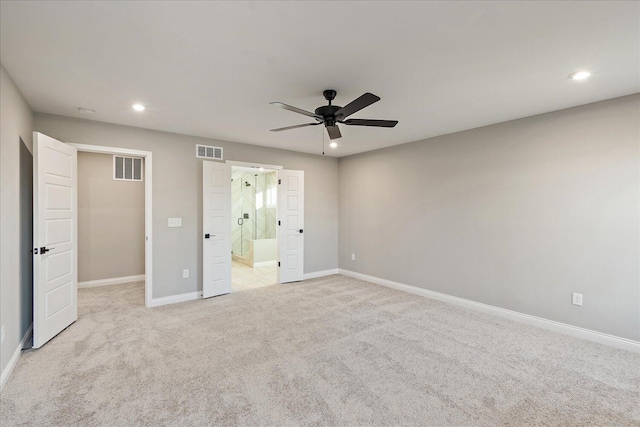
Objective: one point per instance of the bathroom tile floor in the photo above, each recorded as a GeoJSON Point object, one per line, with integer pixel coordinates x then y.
{"type": "Point", "coordinates": [244, 277]}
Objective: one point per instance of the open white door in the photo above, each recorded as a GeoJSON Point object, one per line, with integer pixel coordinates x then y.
{"type": "Point", "coordinates": [216, 226]}
{"type": "Point", "coordinates": [290, 226]}
{"type": "Point", "coordinates": [55, 237]}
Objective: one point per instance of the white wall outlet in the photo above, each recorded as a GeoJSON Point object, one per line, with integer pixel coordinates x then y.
{"type": "Point", "coordinates": [185, 273]}
{"type": "Point", "coordinates": [353, 257]}
{"type": "Point", "coordinates": [577, 299]}
{"type": "Point", "coordinates": [175, 222]}
{"type": "Point", "coordinates": [2, 333]}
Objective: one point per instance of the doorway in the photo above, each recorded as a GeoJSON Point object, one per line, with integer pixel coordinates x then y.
{"type": "Point", "coordinates": [111, 248]}
{"type": "Point", "coordinates": [26, 235]}
{"type": "Point", "coordinates": [253, 227]}
{"type": "Point", "coordinates": [118, 158]}
{"type": "Point", "coordinates": [218, 222]}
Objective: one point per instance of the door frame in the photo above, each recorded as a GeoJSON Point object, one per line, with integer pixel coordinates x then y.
{"type": "Point", "coordinates": [253, 165]}
{"type": "Point", "coordinates": [148, 205]}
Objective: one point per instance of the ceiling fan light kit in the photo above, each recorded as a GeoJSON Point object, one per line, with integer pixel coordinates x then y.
{"type": "Point", "coordinates": [330, 115]}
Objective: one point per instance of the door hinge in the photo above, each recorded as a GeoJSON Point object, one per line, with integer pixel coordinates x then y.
{"type": "Point", "coordinates": [279, 181]}
{"type": "Point", "coordinates": [279, 223]}
{"type": "Point", "coordinates": [278, 263]}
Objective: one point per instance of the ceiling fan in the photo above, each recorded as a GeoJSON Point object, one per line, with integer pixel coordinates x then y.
{"type": "Point", "coordinates": [331, 115]}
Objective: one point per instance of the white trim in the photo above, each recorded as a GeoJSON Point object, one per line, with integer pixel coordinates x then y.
{"type": "Point", "coordinates": [173, 299]}
{"type": "Point", "coordinates": [563, 328]}
{"type": "Point", "coordinates": [322, 273]}
{"type": "Point", "coordinates": [253, 165]}
{"type": "Point", "coordinates": [14, 359]}
{"type": "Point", "coordinates": [111, 281]}
{"type": "Point", "coordinates": [148, 206]}
{"type": "Point", "coordinates": [265, 263]}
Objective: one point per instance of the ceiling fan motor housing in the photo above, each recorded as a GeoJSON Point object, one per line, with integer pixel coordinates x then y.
{"type": "Point", "coordinates": [328, 114]}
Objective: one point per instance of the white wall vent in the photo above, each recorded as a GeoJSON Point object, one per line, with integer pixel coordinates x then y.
{"type": "Point", "coordinates": [208, 152]}
{"type": "Point", "coordinates": [127, 168]}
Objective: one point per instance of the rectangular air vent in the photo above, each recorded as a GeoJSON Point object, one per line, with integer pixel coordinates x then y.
{"type": "Point", "coordinates": [208, 152]}
{"type": "Point", "coordinates": [127, 168]}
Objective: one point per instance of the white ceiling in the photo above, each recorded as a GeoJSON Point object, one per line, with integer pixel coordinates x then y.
{"type": "Point", "coordinates": [211, 68]}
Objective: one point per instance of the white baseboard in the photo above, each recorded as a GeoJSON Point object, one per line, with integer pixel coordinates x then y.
{"type": "Point", "coordinates": [14, 359]}
{"type": "Point", "coordinates": [265, 263]}
{"type": "Point", "coordinates": [322, 273]}
{"type": "Point", "coordinates": [112, 281]}
{"type": "Point", "coordinates": [173, 299]}
{"type": "Point", "coordinates": [563, 328]}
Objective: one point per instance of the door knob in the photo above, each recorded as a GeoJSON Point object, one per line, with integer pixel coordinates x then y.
{"type": "Point", "coordinates": [301, 230]}
{"type": "Point", "coordinates": [44, 250]}
{"type": "Point", "coordinates": [206, 236]}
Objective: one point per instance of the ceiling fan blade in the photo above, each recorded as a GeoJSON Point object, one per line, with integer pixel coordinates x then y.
{"type": "Point", "coordinates": [295, 127]}
{"type": "Point", "coordinates": [334, 132]}
{"type": "Point", "coordinates": [357, 105]}
{"type": "Point", "coordinates": [296, 110]}
{"type": "Point", "coordinates": [369, 122]}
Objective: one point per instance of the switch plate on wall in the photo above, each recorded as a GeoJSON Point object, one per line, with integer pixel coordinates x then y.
{"type": "Point", "coordinates": [185, 273]}
{"type": "Point", "coordinates": [175, 222]}
{"type": "Point", "coordinates": [353, 257]}
{"type": "Point", "coordinates": [577, 299]}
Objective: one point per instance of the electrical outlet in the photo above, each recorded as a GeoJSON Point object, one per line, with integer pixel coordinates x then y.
{"type": "Point", "coordinates": [353, 257]}
{"type": "Point", "coordinates": [185, 273]}
{"type": "Point", "coordinates": [577, 299]}
{"type": "Point", "coordinates": [2, 340]}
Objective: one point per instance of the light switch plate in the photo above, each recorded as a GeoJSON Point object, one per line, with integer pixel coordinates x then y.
{"type": "Point", "coordinates": [576, 299]}
{"type": "Point", "coordinates": [175, 222]}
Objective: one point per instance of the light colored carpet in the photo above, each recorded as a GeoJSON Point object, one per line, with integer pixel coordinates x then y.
{"type": "Point", "coordinates": [329, 351]}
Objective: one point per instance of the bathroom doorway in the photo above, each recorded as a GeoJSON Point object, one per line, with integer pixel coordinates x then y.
{"type": "Point", "coordinates": [253, 227]}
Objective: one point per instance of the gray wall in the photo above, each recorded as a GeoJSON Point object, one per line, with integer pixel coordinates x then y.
{"type": "Point", "coordinates": [517, 215]}
{"type": "Point", "coordinates": [177, 192]}
{"type": "Point", "coordinates": [110, 221]}
{"type": "Point", "coordinates": [16, 122]}
{"type": "Point", "coordinates": [26, 235]}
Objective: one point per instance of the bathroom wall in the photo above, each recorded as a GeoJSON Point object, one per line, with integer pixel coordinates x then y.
{"type": "Point", "coordinates": [258, 200]}
{"type": "Point", "coordinates": [242, 201]}
{"type": "Point", "coordinates": [266, 215]}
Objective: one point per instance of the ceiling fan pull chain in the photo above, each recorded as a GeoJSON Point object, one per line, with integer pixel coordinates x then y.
{"type": "Point", "coordinates": [323, 142]}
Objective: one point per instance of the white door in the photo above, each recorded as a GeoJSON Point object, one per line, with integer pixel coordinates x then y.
{"type": "Point", "coordinates": [216, 226]}
{"type": "Point", "coordinates": [55, 238]}
{"type": "Point", "coordinates": [290, 226]}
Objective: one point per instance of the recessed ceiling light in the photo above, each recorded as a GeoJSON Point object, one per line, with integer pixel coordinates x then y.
{"type": "Point", "coordinates": [138, 107]}
{"type": "Point", "coordinates": [579, 75]}
{"type": "Point", "coordinates": [333, 145]}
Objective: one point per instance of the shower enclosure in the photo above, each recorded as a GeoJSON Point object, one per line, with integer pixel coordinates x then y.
{"type": "Point", "coordinates": [253, 198]}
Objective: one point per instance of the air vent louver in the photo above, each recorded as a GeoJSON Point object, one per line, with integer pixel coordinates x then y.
{"type": "Point", "coordinates": [127, 168]}
{"type": "Point", "coordinates": [208, 152]}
